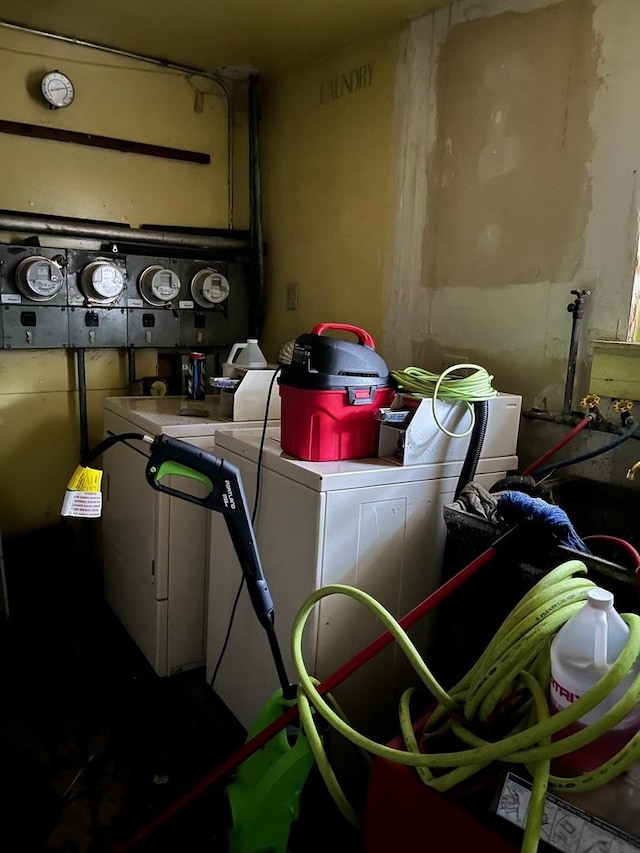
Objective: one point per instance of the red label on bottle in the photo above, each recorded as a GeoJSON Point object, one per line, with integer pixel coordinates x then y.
{"type": "Point", "coordinates": [566, 696]}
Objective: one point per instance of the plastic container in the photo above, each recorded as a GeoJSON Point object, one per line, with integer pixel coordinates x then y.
{"type": "Point", "coordinates": [329, 395]}
{"type": "Point", "coordinates": [581, 653]}
{"type": "Point", "coordinates": [247, 356]}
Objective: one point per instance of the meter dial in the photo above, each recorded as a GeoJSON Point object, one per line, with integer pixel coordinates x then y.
{"type": "Point", "coordinates": [209, 287]}
{"type": "Point", "coordinates": [101, 281]}
{"type": "Point", "coordinates": [159, 285]}
{"type": "Point", "coordinates": [39, 279]}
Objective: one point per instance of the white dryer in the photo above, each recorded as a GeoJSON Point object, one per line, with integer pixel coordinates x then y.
{"type": "Point", "coordinates": [156, 547]}
{"type": "Point", "coordinates": [368, 523]}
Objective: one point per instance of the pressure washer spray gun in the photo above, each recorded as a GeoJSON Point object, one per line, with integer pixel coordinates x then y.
{"type": "Point", "coordinates": [224, 494]}
{"type": "Point", "coordinates": [170, 456]}
{"type": "Point", "coordinates": [264, 795]}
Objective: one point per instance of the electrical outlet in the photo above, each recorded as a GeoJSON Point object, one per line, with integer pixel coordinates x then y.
{"type": "Point", "coordinates": [292, 297]}
{"type": "Point", "coordinates": [449, 359]}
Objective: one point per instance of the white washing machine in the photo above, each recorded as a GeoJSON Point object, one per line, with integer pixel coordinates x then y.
{"type": "Point", "coordinates": [367, 523]}
{"type": "Point", "coordinates": [156, 547]}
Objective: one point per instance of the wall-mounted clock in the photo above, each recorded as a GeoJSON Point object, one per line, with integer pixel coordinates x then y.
{"type": "Point", "coordinates": [57, 90]}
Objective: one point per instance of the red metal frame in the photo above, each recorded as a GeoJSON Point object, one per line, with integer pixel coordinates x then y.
{"type": "Point", "coordinates": [402, 813]}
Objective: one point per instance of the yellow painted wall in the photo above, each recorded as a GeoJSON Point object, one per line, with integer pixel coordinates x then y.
{"type": "Point", "coordinates": [114, 97]}
{"type": "Point", "coordinates": [39, 424]}
{"type": "Point", "coordinates": [327, 181]}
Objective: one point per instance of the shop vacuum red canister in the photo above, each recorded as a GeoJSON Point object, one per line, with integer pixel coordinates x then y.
{"type": "Point", "coordinates": [329, 394]}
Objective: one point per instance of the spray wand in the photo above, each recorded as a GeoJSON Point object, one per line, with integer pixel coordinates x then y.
{"type": "Point", "coordinates": [224, 494]}
{"type": "Point", "coordinates": [170, 456]}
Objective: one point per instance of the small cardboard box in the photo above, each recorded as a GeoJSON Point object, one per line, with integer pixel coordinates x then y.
{"type": "Point", "coordinates": [417, 439]}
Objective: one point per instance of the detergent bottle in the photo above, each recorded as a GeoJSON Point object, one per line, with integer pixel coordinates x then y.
{"type": "Point", "coordinates": [245, 356]}
{"type": "Point", "coordinates": [582, 652]}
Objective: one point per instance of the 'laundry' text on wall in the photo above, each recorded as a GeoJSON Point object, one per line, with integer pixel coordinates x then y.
{"type": "Point", "coordinates": [346, 84]}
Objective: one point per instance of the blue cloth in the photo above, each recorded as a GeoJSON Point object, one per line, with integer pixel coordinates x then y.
{"type": "Point", "coordinates": [515, 506]}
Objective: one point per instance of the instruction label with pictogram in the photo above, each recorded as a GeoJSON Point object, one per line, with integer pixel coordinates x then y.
{"type": "Point", "coordinates": [564, 827]}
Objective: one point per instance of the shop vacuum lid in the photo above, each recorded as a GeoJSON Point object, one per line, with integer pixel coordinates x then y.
{"type": "Point", "coordinates": [324, 363]}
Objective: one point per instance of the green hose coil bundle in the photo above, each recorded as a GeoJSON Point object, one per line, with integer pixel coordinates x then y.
{"type": "Point", "coordinates": [446, 386]}
{"type": "Point", "coordinates": [508, 686]}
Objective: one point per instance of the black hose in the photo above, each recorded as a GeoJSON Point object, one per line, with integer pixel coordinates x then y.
{"type": "Point", "coordinates": [108, 442]}
{"type": "Point", "coordinates": [476, 442]}
{"type": "Point", "coordinates": [547, 469]}
{"type": "Point", "coordinates": [256, 503]}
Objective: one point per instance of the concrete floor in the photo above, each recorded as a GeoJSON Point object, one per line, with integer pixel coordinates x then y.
{"type": "Point", "coordinates": [94, 745]}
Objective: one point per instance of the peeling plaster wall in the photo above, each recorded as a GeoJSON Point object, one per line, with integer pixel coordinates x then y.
{"type": "Point", "coordinates": [510, 191]}
{"type": "Point", "coordinates": [516, 183]}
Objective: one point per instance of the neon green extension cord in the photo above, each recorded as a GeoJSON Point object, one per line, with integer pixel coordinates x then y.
{"type": "Point", "coordinates": [516, 663]}
{"type": "Point", "coordinates": [474, 387]}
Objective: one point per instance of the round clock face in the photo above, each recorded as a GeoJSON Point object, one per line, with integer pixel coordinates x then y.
{"type": "Point", "coordinates": [57, 89]}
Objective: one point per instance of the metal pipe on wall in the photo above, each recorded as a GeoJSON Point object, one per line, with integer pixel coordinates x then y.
{"type": "Point", "coordinates": [82, 403]}
{"type": "Point", "coordinates": [162, 63]}
{"type": "Point", "coordinates": [131, 368]}
{"type": "Point", "coordinates": [576, 309]}
{"type": "Point", "coordinates": [117, 233]}
{"type": "Point", "coordinates": [255, 198]}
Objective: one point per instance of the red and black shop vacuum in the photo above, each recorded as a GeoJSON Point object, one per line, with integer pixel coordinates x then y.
{"type": "Point", "coordinates": [329, 394]}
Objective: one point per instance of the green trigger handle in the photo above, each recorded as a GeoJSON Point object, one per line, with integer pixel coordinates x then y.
{"type": "Point", "coordinates": [168, 468]}
{"type": "Point", "coordinates": [170, 456]}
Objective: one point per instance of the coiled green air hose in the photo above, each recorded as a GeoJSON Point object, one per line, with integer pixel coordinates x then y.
{"type": "Point", "coordinates": [472, 388]}
{"type": "Point", "coordinates": [508, 685]}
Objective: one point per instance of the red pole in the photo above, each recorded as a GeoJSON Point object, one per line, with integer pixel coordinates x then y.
{"type": "Point", "coordinates": [329, 684]}
{"type": "Point", "coordinates": [538, 463]}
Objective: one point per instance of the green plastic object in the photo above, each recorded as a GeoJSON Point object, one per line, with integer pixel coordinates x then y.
{"type": "Point", "coordinates": [265, 794]}
{"type": "Point", "coordinates": [167, 468]}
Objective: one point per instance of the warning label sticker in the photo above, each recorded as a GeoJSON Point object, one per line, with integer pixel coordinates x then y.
{"type": "Point", "coordinates": [564, 827]}
{"type": "Point", "coordinates": [82, 504]}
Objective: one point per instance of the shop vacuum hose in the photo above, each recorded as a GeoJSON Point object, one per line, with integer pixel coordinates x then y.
{"type": "Point", "coordinates": [476, 442]}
